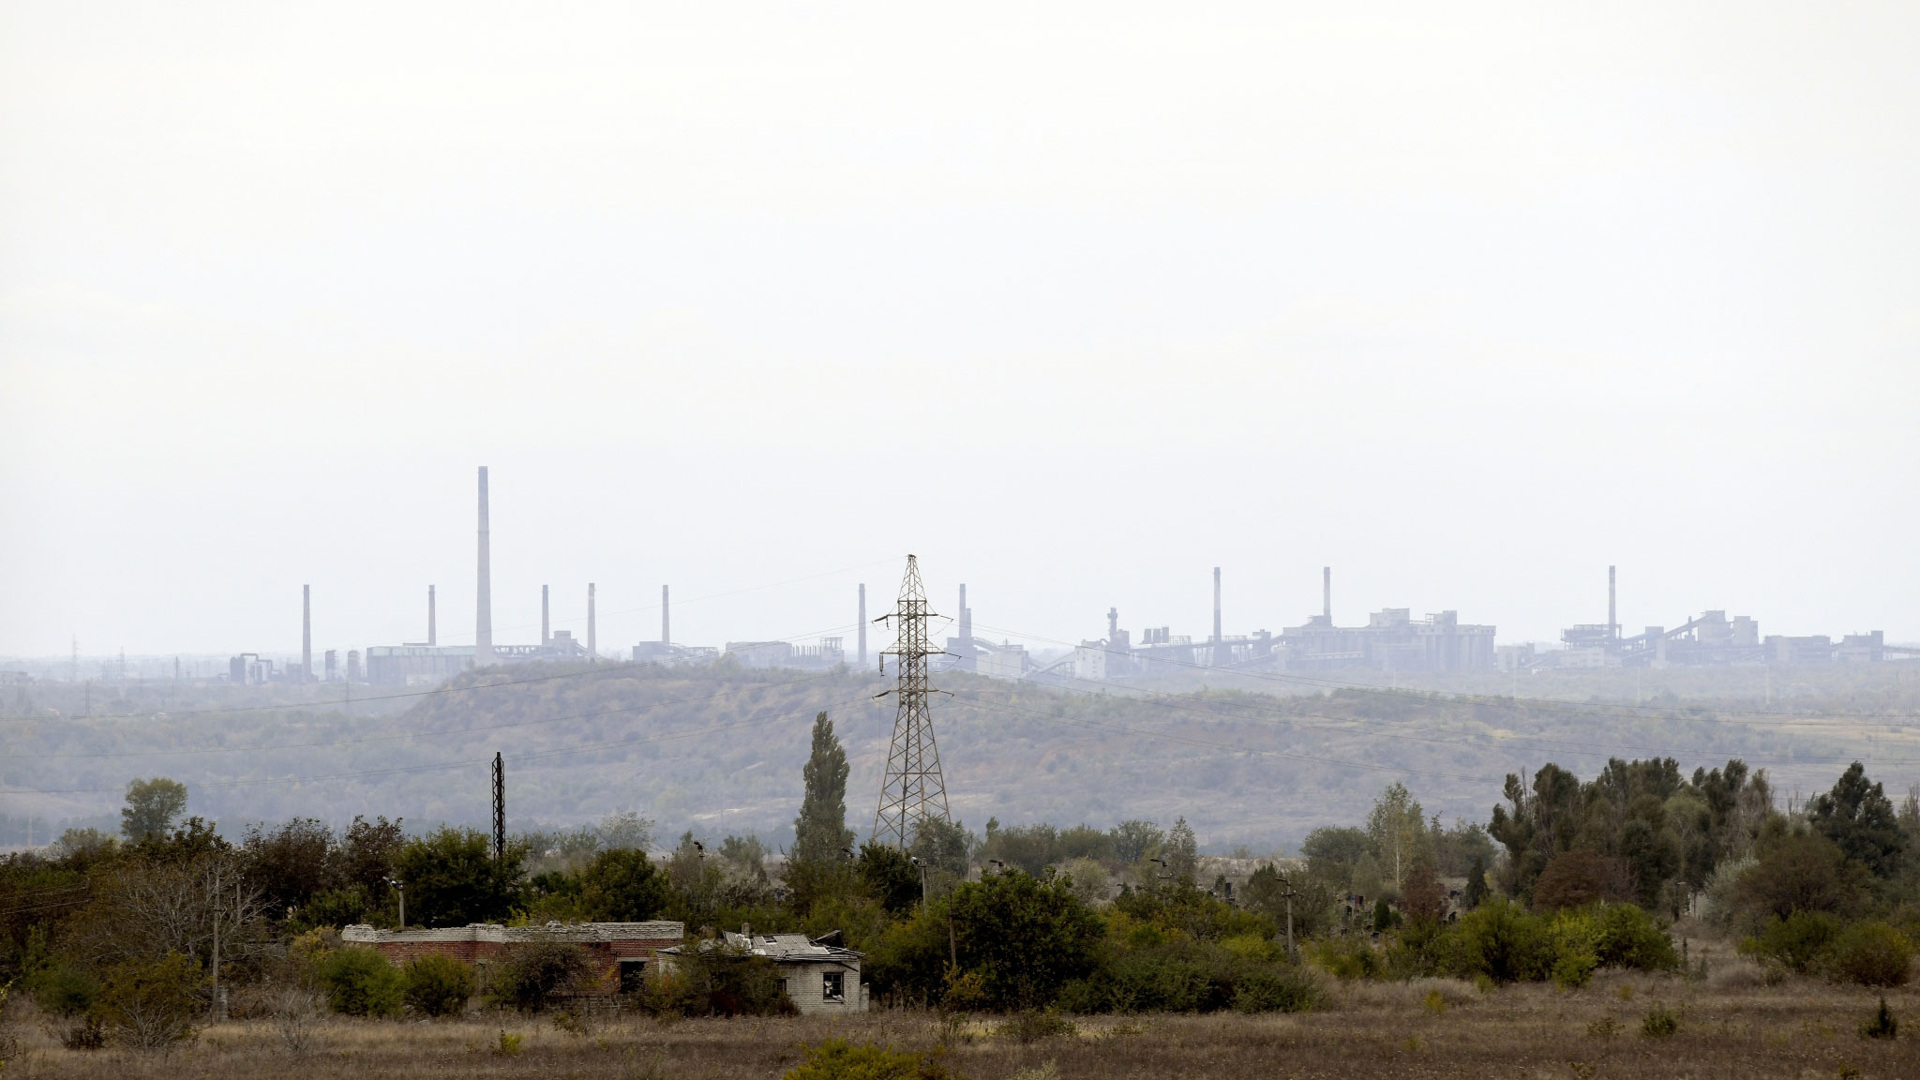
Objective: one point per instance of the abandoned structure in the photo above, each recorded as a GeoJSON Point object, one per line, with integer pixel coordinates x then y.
{"type": "Point", "coordinates": [623, 954]}
{"type": "Point", "coordinates": [817, 974]}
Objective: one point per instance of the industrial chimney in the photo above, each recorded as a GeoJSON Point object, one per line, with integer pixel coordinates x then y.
{"type": "Point", "coordinates": [666, 624]}
{"type": "Point", "coordinates": [1326, 594]}
{"type": "Point", "coordinates": [306, 633]}
{"type": "Point", "coordinates": [433, 628]}
{"type": "Point", "coordinates": [1613, 622]}
{"type": "Point", "coordinates": [546, 636]}
{"type": "Point", "coordinates": [483, 602]}
{"type": "Point", "coordinates": [863, 624]}
{"type": "Point", "coordinates": [1220, 655]}
{"type": "Point", "coordinates": [593, 640]}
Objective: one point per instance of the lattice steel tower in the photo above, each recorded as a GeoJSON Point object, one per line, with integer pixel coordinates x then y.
{"type": "Point", "coordinates": [499, 808]}
{"type": "Point", "coordinates": [914, 790]}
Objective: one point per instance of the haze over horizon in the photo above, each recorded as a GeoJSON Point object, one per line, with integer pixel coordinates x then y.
{"type": "Point", "coordinates": [1074, 304]}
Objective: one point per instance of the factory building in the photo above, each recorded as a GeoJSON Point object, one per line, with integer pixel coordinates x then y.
{"type": "Point", "coordinates": [1393, 640]}
{"type": "Point", "coordinates": [827, 655]}
{"type": "Point", "coordinates": [1710, 638]}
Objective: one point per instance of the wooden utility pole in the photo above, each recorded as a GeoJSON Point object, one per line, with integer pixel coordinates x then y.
{"type": "Point", "coordinates": [1289, 895]}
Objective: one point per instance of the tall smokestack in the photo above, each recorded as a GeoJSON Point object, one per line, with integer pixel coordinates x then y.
{"type": "Point", "coordinates": [593, 638]}
{"type": "Point", "coordinates": [483, 601]}
{"type": "Point", "coordinates": [1613, 624]}
{"type": "Point", "coordinates": [433, 627]}
{"type": "Point", "coordinates": [863, 624]}
{"type": "Point", "coordinates": [966, 616]}
{"type": "Point", "coordinates": [1220, 657]}
{"type": "Point", "coordinates": [1326, 594]}
{"type": "Point", "coordinates": [306, 633]}
{"type": "Point", "coordinates": [666, 623]}
{"type": "Point", "coordinates": [546, 636]}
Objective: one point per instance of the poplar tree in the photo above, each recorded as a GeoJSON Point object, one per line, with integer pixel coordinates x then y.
{"type": "Point", "coordinates": [820, 834]}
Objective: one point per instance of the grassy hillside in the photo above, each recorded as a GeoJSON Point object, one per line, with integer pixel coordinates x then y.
{"type": "Point", "coordinates": [721, 750]}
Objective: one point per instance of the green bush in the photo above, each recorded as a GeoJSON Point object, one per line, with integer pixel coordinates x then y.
{"type": "Point", "coordinates": [1883, 1025]}
{"type": "Point", "coordinates": [1800, 942]}
{"type": "Point", "coordinates": [152, 1004]}
{"type": "Point", "coordinates": [1871, 954]}
{"type": "Point", "coordinates": [531, 974]}
{"type": "Point", "coordinates": [1347, 957]}
{"type": "Point", "coordinates": [837, 1059]}
{"type": "Point", "coordinates": [1659, 1023]}
{"type": "Point", "coordinates": [359, 982]}
{"type": "Point", "coordinates": [1031, 1027]}
{"type": "Point", "coordinates": [1628, 937]}
{"type": "Point", "coordinates": [1276, 988]}
{"type": "Point", "coordinates": [437, 985]}
{"type": "Point", "coordinates": [1500, 941]}
{"type": "Point", "coordinates": [63, 990]}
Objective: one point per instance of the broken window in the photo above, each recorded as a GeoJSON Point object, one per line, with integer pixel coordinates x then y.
{"type": "Point", "coordinates": [830, 986]}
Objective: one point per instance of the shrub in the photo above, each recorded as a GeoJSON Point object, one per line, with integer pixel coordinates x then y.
{"type": "Point", "coordinates": [837, 1059]}
{"type": "Point", "coordinates": [1031, 1027]}
{"type": "Point", "coordinates": [1276, 988]}
{"type": "Point", "coordinates": [531, 974]}
{"type": "Point", "coordinates": [359, 982]}
{"type": "Point", "coordinates": [64, 991]}
{"type": "Point", "coordinates": [1800, 942]}
{"type": "Point", "coordinates": [1871, 954]}
{"type": "Point", "coordinates": [1627, 937]}
{"type": "Point", "coordinates": [1660, 1023]}
{"type": "Point", "coordinates": [1575, 938]}
{"type": "Point", "coordinates": [1500, 941]}
{"type": "Point", "coordinates": [437, 985]}
{"type": "Point", "coordinates": [152, 1004]}
{"type": "Point", "coordinates": [1883, 1025]}
{"type": "Point", "coordinates": [1347, 958]}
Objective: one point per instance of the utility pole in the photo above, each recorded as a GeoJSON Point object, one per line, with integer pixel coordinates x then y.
{"type": "Point", "coordinates": [1289, 894]}
{"type": "Point", "coordinates": [914, 789]}
{"type": "Point", "coordinates": [499, 815]}
{"type": "Point", "coordinates": [400, 890]}
{"type": "Point", "coordinates": [215, 1008]}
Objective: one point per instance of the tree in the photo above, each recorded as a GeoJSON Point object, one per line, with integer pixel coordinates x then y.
{"type": "Point", "coordinates": [1397, 828]}
{"type": "Point", "coordinates": [820, 833]}
{"type": "Point", "coordinates": [622, 886]}
{"type": "Point", "coordinates": [151, 807]}
{"type": "Point", "coordinates": [1025, 937]}
{"type": "Point", "coordinates": [1182, 852]}
{"type": "Point", "coordinates": [942, 845]}
{"type": "Point", "coordinates": [291, 864]}
{"type": "Point", "coordinates": [452, 879]}
{"type": "Point", "coordinates": [1801, 872]}
{"type": "Point", "coordinates": [1332, 853]}
{"type": "Point", "coordinates": [1423, 898]}
{"type": "Point", "coordinates": [1476, 893]}
{"type": "Point", "coordinates": [889, 877]}
{"type": "Point", "coordinates": [1136, 840]}
{"type": "Point", "coordinates": [1858, 816]}
{"type": "Point", "coordinates": [1577, 878]}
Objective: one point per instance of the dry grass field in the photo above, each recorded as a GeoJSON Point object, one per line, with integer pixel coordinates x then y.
{"type": "Point", "coordinates": [1730, 1025]}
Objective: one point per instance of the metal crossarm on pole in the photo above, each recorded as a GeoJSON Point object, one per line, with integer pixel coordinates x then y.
{"type": "Point", "coordinates": [914, 789]}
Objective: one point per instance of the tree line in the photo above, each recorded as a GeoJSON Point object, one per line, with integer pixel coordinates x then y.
{"type": "Point", "coordinates": [171, 919]}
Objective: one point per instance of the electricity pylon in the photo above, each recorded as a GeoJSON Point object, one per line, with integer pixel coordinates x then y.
{"type": "Point", "coordinates": [499, 809]}
{"type": "Point", "coordinates": [914, 790]}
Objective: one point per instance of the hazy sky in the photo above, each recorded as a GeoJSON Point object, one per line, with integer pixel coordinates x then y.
{"type": "Point", "coordinates": [1074, 301]}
